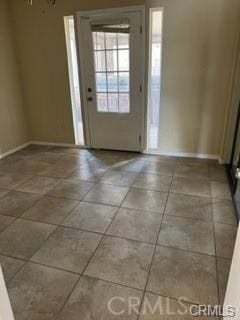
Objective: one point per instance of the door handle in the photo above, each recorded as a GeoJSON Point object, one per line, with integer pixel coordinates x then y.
{"type": "Point", "coordinates": [237, 173]}
{"type": "Point", "coordinates": [89, 99]}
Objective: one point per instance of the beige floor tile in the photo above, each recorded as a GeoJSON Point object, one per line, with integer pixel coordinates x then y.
{"type": "Point", "coordinates": [96, 299]}
{"type": "Point", "coordinates": [71, 189]}
{"type": "Point", "coordinates": [160, 159]}
{"type": "Point", "coordinates": [223, 267]}
{"type": "Point", "coordinates": [71, 161]}
{"type": "Point", "coordinates": [149, 200]}
{"type": "Point", "coordinates": [196, 161]}
{"type": "Point", "coordinates": [178, 273]}
{"type": "Point", "coordinates": [87, 174]}
{"type": "Point", "coordinates": [121, 261]}
{"type": "Point", "coordinates": [39, 185]}
{"type": "Point", "coordinates": [3, 192]}
{"type": "Point", "coordinates": [47, 157]}
{"type": "Point", "coordinates": [136, 225]}
{"type": "Point", "coordinates": [50, 210]}
{"type": "Point", "coordinates": [189, 234]}
{"type": "Point", "coordinates": [68, 249]}
{"type": "Point", "coordinates": [91, 217]}
{"type": "Point", "coordinates": [5, 221]}
{"type": "Point", "coordinates": [194, 187]}
{"type": "Point", "coordinates": [218, 173]}
{"type": "Point", "coordinates": [119, 178]}
{"type": "Point", "coordinates": [155, 307]}
{"type": "Point", "coordinates": [153, 182]}
{"type": "Point", "coordinates": [225, 236]}
{"type": "Point", "coordinates": [132, 165]}
{"type": "Point", "coordinates": [10, 165]}
{"type": "Point", "coordinates": [80, 152]}
{"type": "Point", "coordinates": [159, 168]}
{"type": "Point", "coordinates": [192, 171]}
{"type": "Point", "coordinates": [38, 292]}
{"type": "Point", "coordinates": [22, 238]}
{"type": "Point", "coordinates": [128, 155]}
{"type": "Point", "coordinates": [10, 267]}
{"type": "Point", "coordinates": [107, 194]}
{"type": "Point", "coordinates": [185, 206]}
{"type": "Point", "coordinates": [223, 211]}
{"type": "Point", "coordinates": [220, 190]}
{"type": "Point", "coordinates": [16, 203]}
{"type": "Point", "coordinates": [56, 171]}
{"type": "Point", "coordinates": [10, 181]}
{"type": "Point", "coordinates": [99, 163]}
{"type": "Point", "coordinates": [29, 166]}
{"type": "Point", "coordinates": [100, 153]}
{"type": "Point", "coordinates": [35, 148]}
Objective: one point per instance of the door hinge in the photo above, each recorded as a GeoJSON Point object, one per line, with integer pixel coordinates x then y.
{"type": "Point", "coordinates": [140, 140]}
{"type": "Point", "coordinates": [140, 88]}
{"type": "Point", "coordinates": [141, 29]}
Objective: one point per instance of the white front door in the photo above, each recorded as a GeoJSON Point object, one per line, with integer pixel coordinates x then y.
{"type": "Point", "coordinates": [111, 53]}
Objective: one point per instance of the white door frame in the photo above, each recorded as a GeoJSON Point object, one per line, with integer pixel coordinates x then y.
{"type": "Point", "coordinates": [83, 85]}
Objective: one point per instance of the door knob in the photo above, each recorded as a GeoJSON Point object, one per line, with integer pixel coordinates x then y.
{"type": "Point", "coordinates": [237, 173]}
{"type": "Point", "coordinates": [90, 99]}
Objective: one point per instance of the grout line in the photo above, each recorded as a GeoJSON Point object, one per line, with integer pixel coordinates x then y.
{"type": "Point", "coordinates": [54, 267]}
{"type": "Point", "coordinates": [153, 255]}
{"type": "Point", "coordinates": [215, 247]}
{"type": "Point", "coordinates": [187, 250]}
{"type": "Point", "coordinates": [104, 234]}
{"type": "Point", "coordinates": [68, 297]}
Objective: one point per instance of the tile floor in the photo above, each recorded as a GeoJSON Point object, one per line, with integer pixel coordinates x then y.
{"type": "Point", "coordinates": [78, 228]}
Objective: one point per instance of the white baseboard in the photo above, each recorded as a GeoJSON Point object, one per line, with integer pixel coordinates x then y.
{"type": "Point", "coordinates": [185, 154]}
{"type": "Point", "coordinates": [156, 152]}
{"type": "Point", "coordinates": [67, 145]}
{"type": "Point", "coordinates": [9, 152]}
{"type": "Point", "coordinates": [222, 161]}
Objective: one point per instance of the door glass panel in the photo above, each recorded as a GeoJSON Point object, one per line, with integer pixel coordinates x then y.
{"type": "Point", "coordinates": [99, 41]}
{"type": "Point", "coordinates": [74, 80]}
{"type": "Point", "coordinates": [111, 40]}
{"type": "Point", "coordinates": [124, 81]}
{"type": "Point", "coordinates": [112, 60]}
{"type": "Point", "coordinates": [102, 102]}
{"type": "Point", "coordinates": [112, 82]}
{"type": "Point", "coordinates": [112, 67]}
{"type": "Point", "coordinates": [113, 102]}
{"type": "Point", "coordinates": [154, 77]}
{"type": "Point", "coordinates": [100, 62]}
{"type": "Point", "coordinates": [101, 82]}
{"type": "Point", "coordinates": [123, 60]}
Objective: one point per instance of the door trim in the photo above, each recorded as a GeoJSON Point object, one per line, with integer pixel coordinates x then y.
{"type": "Point", "coordinates": [80, 53]}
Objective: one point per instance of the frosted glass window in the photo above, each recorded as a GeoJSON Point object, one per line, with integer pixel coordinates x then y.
{"type": "Point", "coordinates": [112, 68]}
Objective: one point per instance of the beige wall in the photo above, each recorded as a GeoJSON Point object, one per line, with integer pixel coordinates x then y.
{"type": "Point", "coordinates": [13, 128]}
{"type": "Point", "coordinates": [41, 45]}
{"type": "Point", "coordinates": [199, 43]}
